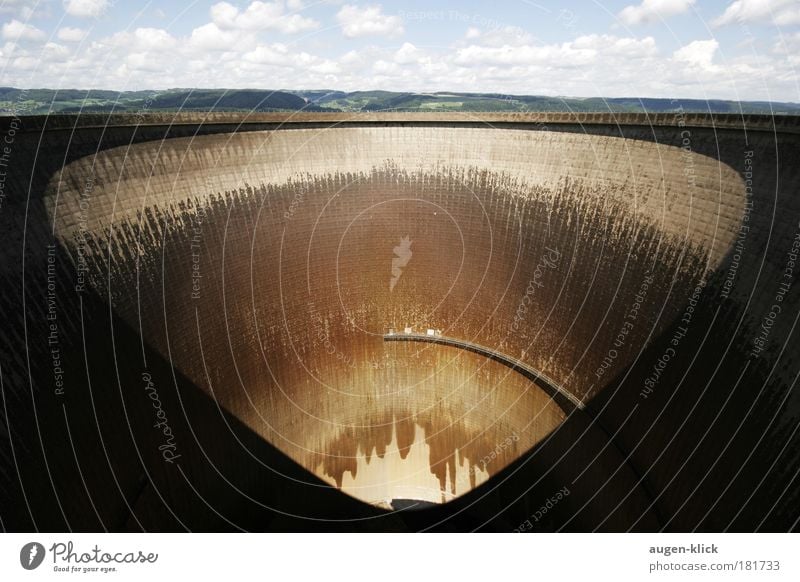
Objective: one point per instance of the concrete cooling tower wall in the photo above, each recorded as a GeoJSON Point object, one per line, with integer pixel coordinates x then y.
{"type": "Point", "coordinates": [209, 307]}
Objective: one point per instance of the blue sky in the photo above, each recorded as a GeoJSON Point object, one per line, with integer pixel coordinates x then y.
{"type": "Point", "coordinates": [729, 49]}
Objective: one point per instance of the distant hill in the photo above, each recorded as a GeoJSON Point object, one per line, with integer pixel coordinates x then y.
{"type": "Point", "coordinates": [450, 101]}
{"type": "Point", "coordinates": [41, 101]}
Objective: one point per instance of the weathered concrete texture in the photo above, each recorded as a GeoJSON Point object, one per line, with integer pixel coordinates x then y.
{"type": "Point", "coordinates": [264, 265]}
{"type": "Point", "coordinates": [289, 273]}
{"type": "Point", "coordinates": [482, 207]}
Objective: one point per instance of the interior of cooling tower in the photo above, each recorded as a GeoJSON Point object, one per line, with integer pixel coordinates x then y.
{"type": "Point", "coordinates": [396, 322]}
{"type": "Point", "coordinates": [278, 269]}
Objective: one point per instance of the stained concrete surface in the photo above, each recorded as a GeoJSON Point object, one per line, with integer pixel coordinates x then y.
{"type": "Point", "coordinates": [247, 269]}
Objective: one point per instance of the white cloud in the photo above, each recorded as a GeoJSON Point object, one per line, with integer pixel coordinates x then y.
{"type": "Point", "coordinates": [20, 8]}
{"type": "Point", "coordinates": [505, 56]}
{"type": "Point", "coordinates": [143, 39]}
{"type": "Point", "coordinates": [407, 54]}
{"type": "Point", "coordinates": [154, 39]}
{"type": "Point", "coordinates": [627, 47]}
{"type": "Point", "coordinates": [210, 37]}
{"type": "Point", "coordinates": [54, 53]}
{"type": "Point", "coordinates": [583, 50]}
{"type": "Point", "coordinates": [354, 59]}
{"type": "Point", "coordinates": [260, 16]}
{"type": "Point", "coordinates": [69, 34]}
{"type": "Point", "coordinates": [225, 15]}
{"type": "Point", "coordinates": [788, 17]}
{"type": "Point", "coordinates": [368, 21]}
{"type": "Point", "coordinates": [653, 10]}
{"type": "Point", "coordinates": [780, 12]}
{"type": "Point", "coordinates": [16, 31]}
{"type": "Point", "coordinates": [143, 62]}
{"type": "Point", "coordinates": [275, 54]}
{"type": "Point", "coordinates": [26, 63]}
{"type": "Point", "coordinates": [279, 55]}
{"type": "Point", "coordinates": [473, 33]}
{"type": "Point", "coordinates": [788, 48]}
{"type": "Point", "coordinates": [787, 44]}
{"type": "Point", "coordinates": [500, 36]}
{"type": "Point", "coordinates": [477, 55]}
{"type": "Point", "coordinates": [699, 53]}
{"type": "Point", "coordinates": [382, 67]}
{"type": "Point", "coordinates": [86, 8]}
{"type": "Point", "coordinates": [325, 67]}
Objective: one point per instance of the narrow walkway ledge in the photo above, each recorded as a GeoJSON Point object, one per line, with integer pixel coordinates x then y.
{"type": "Point", "coordinates": [567, 401]}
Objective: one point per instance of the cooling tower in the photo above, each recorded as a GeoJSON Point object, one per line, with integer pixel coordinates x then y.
{"type": "Point", "coordinates": [400, 322]}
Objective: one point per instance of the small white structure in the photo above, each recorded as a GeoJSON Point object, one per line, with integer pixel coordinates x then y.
{"type": "Point", "coordinates": [431, 332]}
{"type": "Point", "coordinates": [391, 331]}
{"type": "Point", "coordinates": [409, 330]}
